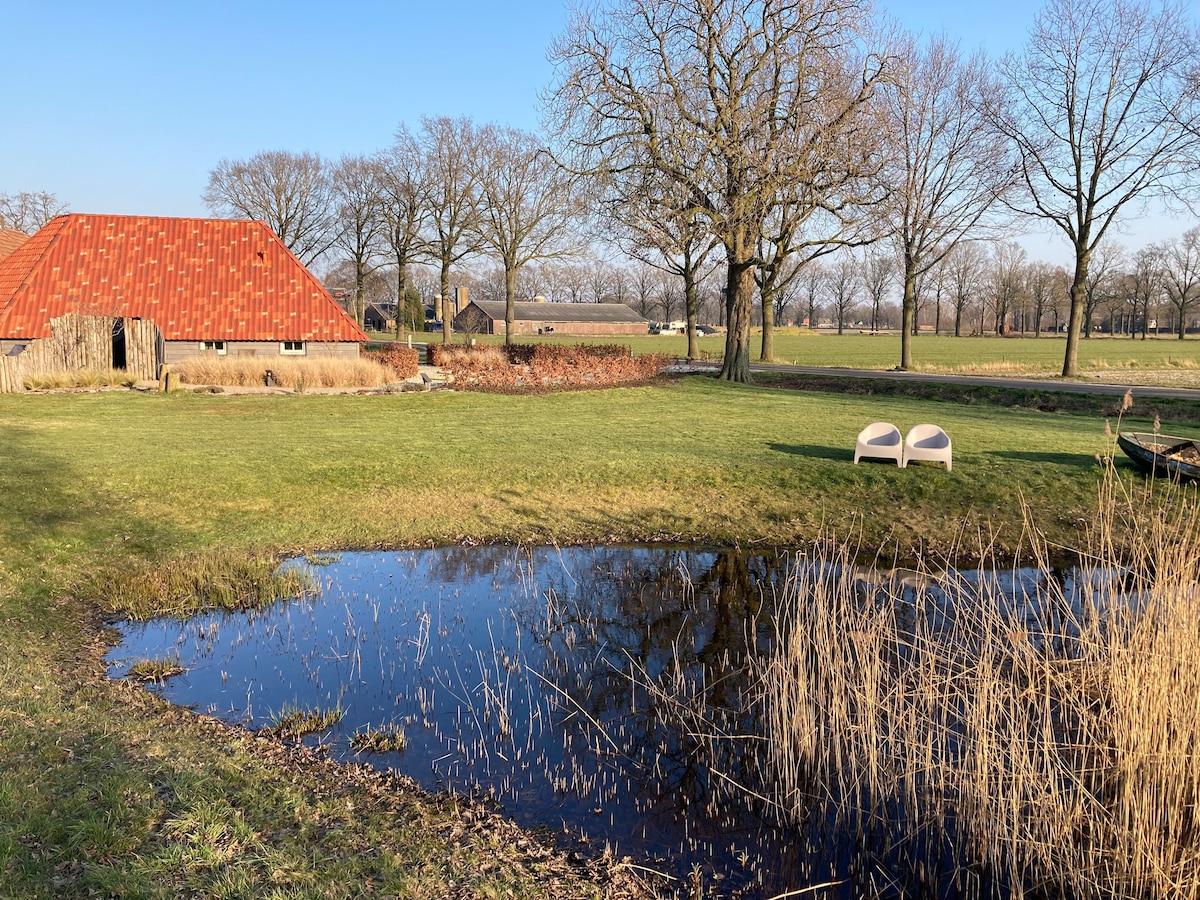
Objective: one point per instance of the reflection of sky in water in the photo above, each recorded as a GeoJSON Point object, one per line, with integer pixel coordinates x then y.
{"type": "Point", "coordinates": [532, 676]}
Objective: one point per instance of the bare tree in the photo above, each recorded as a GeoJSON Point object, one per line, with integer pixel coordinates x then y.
{"type": "Point", "coordinates": [657, 234]}
{"type": "Point", "coordinates": [1103, 115]}
{"type": "Point", "coordinates": [800, 229]}
{"type": "Point", "coordinates": [529, 208]}
{"type": "Point", "coordinates": [358, 214]}
{"type": "Point", "coordinates": [1043, 280]}
{"type": "Point", "coordinates": [29, 211]}
{"type": "Point", "coordinates": [734, 102]}
{"type": "Point", "coordinates": [642, 282]}
{"type": "Point", "coordinates": [404, 209]}
{"type": "Point", "coordinates": [1106, 261]}
{"type": "Point", "coordinates": [963, 268]}
{"type": "Point", "coordinates": [840, 284]}
{"type": "Point", "coordinates": [813, 281]}
{"type": "Point", "coordinates": [1181, 275]}
{"type": "Point", "coordinates": [1007, 282]}
{"type": "Point", "coordinates": [451, 152]}
{"type": "Point", "coordinates": [291, 192]}
{"type": "Point", "coordinates": [878, 270]}
{"type": "Point", "coordinates": [1143, 286]}
{"type": "Point", "coordinates": [948, 164]}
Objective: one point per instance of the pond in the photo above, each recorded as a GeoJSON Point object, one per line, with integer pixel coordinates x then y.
{"type": "Point", "coordinates": [608, 694]}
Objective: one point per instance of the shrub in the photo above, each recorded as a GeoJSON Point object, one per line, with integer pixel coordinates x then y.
{"type": "Point", "coordinates": [404, 361]}
{"type": "Point", "coordinates": [534, 367]}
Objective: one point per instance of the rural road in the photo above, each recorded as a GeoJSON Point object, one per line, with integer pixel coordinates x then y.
{"type": "Point", "coordinates": [1039, 384]}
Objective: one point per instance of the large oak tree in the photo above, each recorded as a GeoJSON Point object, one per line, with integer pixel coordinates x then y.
{"type": "Point", "coordinates": [732, 102]}
{"type": "Point", "coordinates": [291, 192]}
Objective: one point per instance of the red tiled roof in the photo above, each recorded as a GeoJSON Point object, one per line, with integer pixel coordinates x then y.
{"type": "Point", "coordinates": [197, 279]}
{"type": "Point", "coordinates": [11, 240]}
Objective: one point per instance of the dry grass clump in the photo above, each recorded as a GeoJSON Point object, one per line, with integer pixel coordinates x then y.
{"type": "Point", "coordinates": [76, 378]}
{"type": "Point", "coordinates": [295, 374]}
{"type": "Point", "coordinates": [1171, 362]}
{"type": "Point", "coordinates": [466, 356]}
{"type": "Point", "coordinates": [1047, 740]}
{"type": "Point", "coordinates": [997, 367]}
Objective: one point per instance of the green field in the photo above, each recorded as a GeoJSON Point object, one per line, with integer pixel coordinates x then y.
{"type": "Point", "coordinates": [104, 790]}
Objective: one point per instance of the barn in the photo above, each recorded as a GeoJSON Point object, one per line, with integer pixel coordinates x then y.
{"type": "Point", "coordinates": [11, 241]}
{"type": "Point", "coordinates": [541, 317]}
{"type": "Point", "coordinates": [209, 286]}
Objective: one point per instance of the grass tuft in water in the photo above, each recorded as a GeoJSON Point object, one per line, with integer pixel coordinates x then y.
{"type": "Point", "coordinates": [382, 740]}
{"type": "Point", "coordinates": [155, 669]}
{"type": "Point", "coordinates": [184, 585]}
{"type": "Point", "coordinates": [295, 723]}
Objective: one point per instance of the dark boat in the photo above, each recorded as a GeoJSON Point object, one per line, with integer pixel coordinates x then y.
{"type": "Point", "coordinates": [1162, 454]}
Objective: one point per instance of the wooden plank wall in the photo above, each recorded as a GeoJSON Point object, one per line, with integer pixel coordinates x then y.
{"type": "Point", "coordinates": [144, 349]}
{"type": "Point", "coordinates": [85, 342]}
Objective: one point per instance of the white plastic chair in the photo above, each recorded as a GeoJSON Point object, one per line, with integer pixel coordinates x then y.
{"type": "Point", "coordinates": [880, 440]}
{"type": "Point", "coordinates": [927, 442]}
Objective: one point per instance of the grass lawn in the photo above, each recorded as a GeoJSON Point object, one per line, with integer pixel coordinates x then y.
{"type": "Point", "coordinates": [104, 789]}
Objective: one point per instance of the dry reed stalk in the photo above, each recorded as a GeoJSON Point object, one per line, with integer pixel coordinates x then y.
{"type": "Point", "coordinates": [1051, 736]}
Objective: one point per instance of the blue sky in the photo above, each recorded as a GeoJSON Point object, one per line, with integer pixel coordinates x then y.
{"type": "Point", "coordinates": [124, 107]}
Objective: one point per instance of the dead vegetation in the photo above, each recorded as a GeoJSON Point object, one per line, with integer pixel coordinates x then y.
{"type": "Point", "coordinates": [529, 368]}
{"type": "Point", "coordinates": [297, 375]}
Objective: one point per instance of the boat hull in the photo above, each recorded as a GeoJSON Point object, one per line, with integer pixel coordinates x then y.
{"type": "Point", "coordinates": [1163, 455]}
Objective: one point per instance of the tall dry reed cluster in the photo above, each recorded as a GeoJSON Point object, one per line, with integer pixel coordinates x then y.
{"type": "Point", "coordinates": [297, 374]}
{"type": "Point", "coordinates": [1042, 739]}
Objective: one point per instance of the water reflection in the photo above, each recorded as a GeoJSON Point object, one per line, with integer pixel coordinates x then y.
{"type": "Point", "coordinates": [600, 691]}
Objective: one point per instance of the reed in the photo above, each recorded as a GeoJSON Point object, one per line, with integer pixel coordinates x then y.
{"type": "Point", "coordinates": [293, 374]}
{"type": "Point", "coordinates": [1047, 742]}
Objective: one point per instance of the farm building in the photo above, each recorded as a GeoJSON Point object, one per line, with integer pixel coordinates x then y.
{"type": "Point", "coordinates": [380, 316]}
{"type": "Point", "coordinates": [540, 317]}
{"type": "Point", "coordinates": [209, 286]}
{"type": "Point", "coordinates": [10, 241]}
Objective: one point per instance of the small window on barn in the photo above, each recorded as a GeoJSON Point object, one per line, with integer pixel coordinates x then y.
{"type": "Point", "coordinates": [292, 348]}
{"type": "Point", "coordinates": [217, 347]}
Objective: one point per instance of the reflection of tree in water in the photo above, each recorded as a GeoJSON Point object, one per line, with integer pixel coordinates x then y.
{"type": "Point", "coordinates": [652, 646]}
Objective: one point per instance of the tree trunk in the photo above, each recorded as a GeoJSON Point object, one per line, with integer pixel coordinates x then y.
{"type": "Point", "coordinates": [401, 296]}
{"type": "Point", "coordinates": [1075, 320]}
{"type": "Point", "coordinates": [360, 307]}
{"type": "Point", "coordinates": [689, 303]}
{"type": "Point", "coordinates": [510, 302]}
{"type": "Point", "coordinates": [447, 304]}
{"type": "Point", "coordinates": [768, 332]}
{"type": "Point", "coordinates": [908, 316]}
{"type": "Point", "coordinates": [739, 306]}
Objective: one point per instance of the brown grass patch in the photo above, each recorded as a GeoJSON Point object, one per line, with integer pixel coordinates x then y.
{"type": "Point", "coordinates": [298, 375]}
